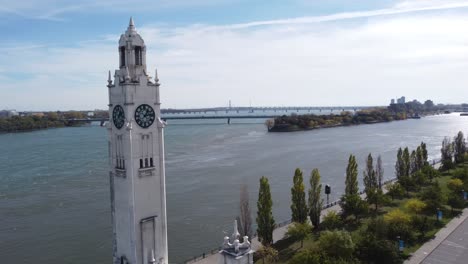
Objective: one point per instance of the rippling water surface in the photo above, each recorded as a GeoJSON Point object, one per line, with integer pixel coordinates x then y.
{"type": "Point", "coordinates": [54, 186]}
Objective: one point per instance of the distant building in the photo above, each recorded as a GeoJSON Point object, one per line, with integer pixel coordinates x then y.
{"type": "Point", "coordinates": [8, 113]}
{"type": "Point", "coordinates": [401, 100]}
{"type": "Point", "coordinates": [392, 101]}
{"type": "Point", "coordinates": [90, 114]}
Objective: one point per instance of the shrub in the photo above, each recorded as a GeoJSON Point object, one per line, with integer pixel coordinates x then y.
{"type": "Point", "coordinates": [415, 206]}
{"type": "Point", "coordinates": [331, 221]}
{"type": "Point", "coordinates": [398, 225]}
{"type": "Point", "coordinates": [336, 244]}
{"type": "Point", "coordinates": [306, 257]}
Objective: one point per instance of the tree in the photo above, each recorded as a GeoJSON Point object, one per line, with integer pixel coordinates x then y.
{"type": "Point", "coordinates": [413, 163]}
{"type": "Point", "coordinates": [455, 198]}
{"type": "Point", "coordinates": [433, 197]}
{"type": "Point", "coordinates": [419, 158]}
{"type": "Point", "coordinates": [351, 202]}
{"type": "Point", "coordinates": [424, 153]}
{"type": "Point", "coordinates": [379, 172]}
{"type": "Point", "coordinates": [245, 218]}
{"type": "Point", "coordinates": [265, 221]}
{"type": "Point", "coordinates": [315, 201]}
{"type": "Point", "coordinates": [354, 205]}
{"type": "Point", "coordinates": [399, 165]}
{"type": "Point", "coordinates": [398, 224]}
{"type": "Point", "coordinates": [373, 244]}
{"type": "Point", "coordinates": [395, 190]}
{"type": "Point", "coordinates": [298, 200]}
{"type": "Point", "coordinates": [459, 147]}
{"type": "Point", "coordinates": [447, 154]}
{"type": "Point", "coordinates": [415, 206]}
{"type": "Point", "coordinates": [299, 231]}
{"type": "Point", "coordinates": [370, 182]}
{"type": "Point", "coordinates": [306, 257]}
{"type": "Point", "coordinates": [331, 221]}
{"type": "Point", "coordinates": [406, 162]}
{"type": "Point", "coordinates": [351, 177]}
{"type": "Point", "coordinates": [430, 172]}
{"type": "Point", "coordinates": [268, 253]}
{"type": "Point", "coordinates": [337, 244]}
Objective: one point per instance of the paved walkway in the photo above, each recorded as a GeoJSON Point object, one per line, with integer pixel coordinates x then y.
{"type": "Point", "coordinates": [450, 245]}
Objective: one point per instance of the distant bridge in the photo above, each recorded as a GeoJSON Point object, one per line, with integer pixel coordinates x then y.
{"type": "Point", "coordinates": [238, 113]}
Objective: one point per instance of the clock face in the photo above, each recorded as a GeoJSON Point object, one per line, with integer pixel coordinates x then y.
{"type": "Point", "coordinates": [118, 116]}
{"type": "Point", "coordinates": [144, 115]}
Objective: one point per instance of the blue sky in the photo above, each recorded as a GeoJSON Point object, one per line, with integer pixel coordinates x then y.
{"type": "Point", "coordinates": [55, 54]}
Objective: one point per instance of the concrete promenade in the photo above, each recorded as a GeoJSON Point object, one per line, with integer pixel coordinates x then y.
{"type": "Point", "coordinates": [450, 245]}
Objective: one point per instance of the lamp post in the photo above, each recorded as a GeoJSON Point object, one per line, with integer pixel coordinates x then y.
{"type": "Point", "coordinates": [327, 192]}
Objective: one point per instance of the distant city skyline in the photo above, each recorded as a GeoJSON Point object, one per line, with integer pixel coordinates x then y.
{"type": "Point", "coordinates": [55, 55]}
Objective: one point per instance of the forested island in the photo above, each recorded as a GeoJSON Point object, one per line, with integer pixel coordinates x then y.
{"type": "Point", "coordinates": [43, 120]}
{"type": "Point", "coordinates": [393, 112]}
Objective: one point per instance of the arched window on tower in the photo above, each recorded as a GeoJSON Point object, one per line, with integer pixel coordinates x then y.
{"type": "Point", "coordinates": [138, 56]}
{"type": "Point", "coordinates": [122, 56]}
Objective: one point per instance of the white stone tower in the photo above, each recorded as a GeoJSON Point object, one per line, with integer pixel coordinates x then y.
{"type": "Point", "coordinates": [136, 158]}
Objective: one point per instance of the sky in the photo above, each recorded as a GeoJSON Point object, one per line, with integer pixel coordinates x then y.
{"type": "Point", "coordinates": [55, 54]}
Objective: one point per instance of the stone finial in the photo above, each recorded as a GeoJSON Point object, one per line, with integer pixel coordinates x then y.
{"type": "Point", "coordinates": [152, 260]}
{"type": "Point", "coordinates": [109, 80]}
{"type": "Point", "coordinates": [127, 74]}
{"type": "Point", "coordinates": [236, 248]}
{"type": "Point", "coordinates": [235, 234]}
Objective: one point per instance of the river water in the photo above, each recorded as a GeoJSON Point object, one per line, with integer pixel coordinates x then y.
{"type": "Point", "coordinates": [54, 185]}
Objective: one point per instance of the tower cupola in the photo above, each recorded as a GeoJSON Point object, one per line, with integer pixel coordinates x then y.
{"type": "Point", "coordinates": [132, 55]}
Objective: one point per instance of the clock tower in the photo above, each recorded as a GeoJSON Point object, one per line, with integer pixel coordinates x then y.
{"type": "Point", "coordinates": [136, 158]}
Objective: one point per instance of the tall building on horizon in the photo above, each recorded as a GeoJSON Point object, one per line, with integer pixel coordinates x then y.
{"type": "Point", "coordinates": [136, 158]}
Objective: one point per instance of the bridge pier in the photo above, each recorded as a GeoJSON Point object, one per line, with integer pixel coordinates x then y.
{"type": "Point", "coordinates": [229, 121]}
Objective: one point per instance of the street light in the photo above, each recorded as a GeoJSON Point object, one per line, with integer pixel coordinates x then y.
{"type": "Point", "coordinates": [327, 192]}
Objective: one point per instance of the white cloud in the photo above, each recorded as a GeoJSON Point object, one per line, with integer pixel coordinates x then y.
{"type": "Point", "coordinates": [421, 55]}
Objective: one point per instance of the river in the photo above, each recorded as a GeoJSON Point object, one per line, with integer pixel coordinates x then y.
{"type": "Point", "coordinates": [54, 184]}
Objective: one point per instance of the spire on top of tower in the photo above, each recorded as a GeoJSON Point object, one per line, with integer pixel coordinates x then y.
{"type": "Point", "coordinates": [131, 25]}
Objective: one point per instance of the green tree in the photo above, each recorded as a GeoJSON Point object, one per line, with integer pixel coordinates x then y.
{"type": "Point", "coordinates": [370, 183]}
{"type": "Point", "coordinates": [354, 205]}
{"type": "Point", "coordinates": [306, 257]}
{"type": "Point", "coordinates": [298, 200]}
{"type": "Point", "coordinates": [406, 162]}
{"type": "Point", "coordinates": [315, 201]}
{"type": "Point", "coordinates": [395, 190]}
{"type": "Point", "coordinates": [268, 253]}
{"type": "Point", "coordinates": [415, 206]}
{"type": "Point", "coordinates": [399, 165]}
{"type": "Point", "coordinates": [459, 145]}
{"type": "Point", "coordinates": [447, 154]}
{"type": "Point", "coordinates": [424, 153]}
{"type": "Point", "coordinates": [299, 231]}
{"type": "Point", "coordinates": [433, 197]}
{"type": "Point", "coordinates": [413, 163]}
{"type": "Point", "coordinates": [379, 172]}
{"type": "Point", "coordinates": [455, 198]}
{"type": "Point", "coordinates": [331, 221]}
{"type": "Point", "coordinates": [337, 244]}
{"type": "Point", "coordinates": [265, 221]}
{"type": "Point", "coordinates": [398, 224]}
{"type": "Point", "coordinates": [373, 245]}
{"type": "Point", "coordinates": [351, 177]}
{"type": "Point", "coordinates": [351, 202]}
